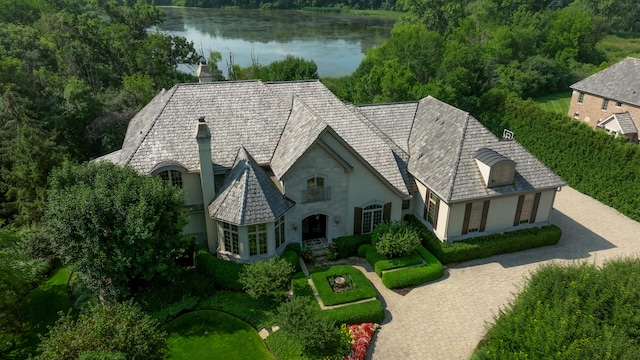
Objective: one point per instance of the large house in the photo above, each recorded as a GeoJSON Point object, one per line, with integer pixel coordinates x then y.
{"type": "Point", "coordinates": [265, 164]}
{"type": "Point", "coordinates": [610, 99]}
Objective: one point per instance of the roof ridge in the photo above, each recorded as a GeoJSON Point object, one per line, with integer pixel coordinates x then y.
{"type": "Point", "coordinates": [458, 156]}
{"type": "Point", "coordinates": [173, 90]}
{"type": "Point", "coordinates": [376, 130]}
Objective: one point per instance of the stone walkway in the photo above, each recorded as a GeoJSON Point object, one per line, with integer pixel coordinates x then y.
{"type": "Point", "coordinates": [446, 319]}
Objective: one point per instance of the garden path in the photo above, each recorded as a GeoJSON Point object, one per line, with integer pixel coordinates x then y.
{"type": "Point", "coordinates": [446, 319]}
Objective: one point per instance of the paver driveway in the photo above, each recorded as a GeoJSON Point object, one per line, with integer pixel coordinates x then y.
{"type": "Point", "coordinates": [447, 319]}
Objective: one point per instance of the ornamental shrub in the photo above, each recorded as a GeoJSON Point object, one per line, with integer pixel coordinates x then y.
{"type": "Point", "coordinates": [395, 239]}
{"type": "Point", "coordinates": [295, 247]}
{"type": "Point", "coordinates": [409, 260]}
{"type": "Point", "coordinates": [266, 277]}
{"type": "Point", "coordinates": [225, 274]}
{"type": "Point", "coordinates": [348, 245]}
{"type": "Point", "coordinates": [368, 311]}
{"type": "Point", "coordinates": [293, 258]}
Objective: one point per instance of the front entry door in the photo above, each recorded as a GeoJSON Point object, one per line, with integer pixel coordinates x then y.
{"type": "Point", "coordinates": [314, 227]}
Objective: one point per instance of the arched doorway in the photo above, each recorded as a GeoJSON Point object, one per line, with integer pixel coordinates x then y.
{"type": "Point", "coordinates": [314, 227]}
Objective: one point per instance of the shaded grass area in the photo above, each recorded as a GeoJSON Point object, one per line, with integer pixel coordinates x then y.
{"type": "Point", "coordinates": [619, 46]}
{"type": "Point", "coordinates": [39, 310]}
{"type": "Point", "coordinates": [363, 288]}
{"type": "Point", "coordinates": [209, 334]}
{"type": "Point", "coordinates": [259, 313]}
{"type": "Point", "coordinates": [557, 103]}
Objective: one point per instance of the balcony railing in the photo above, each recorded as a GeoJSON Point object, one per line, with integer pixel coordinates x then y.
{"type": "Point", "coordinates": [316, 194]}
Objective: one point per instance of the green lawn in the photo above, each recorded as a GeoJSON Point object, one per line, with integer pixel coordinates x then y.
{"type": "Point", "coordinates": [210, 334]}
{"type": "Point", "coordinates": [363, 288]}
{"type": "Point", "coordinates": [40, 308]}
{"type": "Point", "coordinates": [558, 103]}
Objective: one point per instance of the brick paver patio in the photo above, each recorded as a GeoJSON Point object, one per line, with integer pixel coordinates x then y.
{"type": "Point", "coordinates": [446, 319]}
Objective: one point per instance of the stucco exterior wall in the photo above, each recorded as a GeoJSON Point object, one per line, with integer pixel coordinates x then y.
{"type": "Point", "coordinates": [589, 111]}
{"type": "Point", "coordinates": [192, 188]}
{"type": "Point", "coordinates": [316, 162]}
{"type": "Point", "coordinates": [363, 186]}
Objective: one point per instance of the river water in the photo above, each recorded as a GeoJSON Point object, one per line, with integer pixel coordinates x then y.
{"type": "Point", "coordinates": [337, 43]}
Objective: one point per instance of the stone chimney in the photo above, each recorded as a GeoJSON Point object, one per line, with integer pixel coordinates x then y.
{"type": "Point", "coordinates": [203, 137]}
{"type": "Point", "coordinates": [204, 72]}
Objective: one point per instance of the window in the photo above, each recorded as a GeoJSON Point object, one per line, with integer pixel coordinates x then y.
{"type": "Point", "coordinates": [279, 231]}
{"type": "Point", "coordinates": [316, 190]}
{"type": "Point", "coordinates": [527, 207]}
{"type": "Point", "coordinates": [406, 204]}
{"type": "Point", "coordinates": [580, 98]}
{"type": "Point", "coordinates": [173, 177]}
{"type": "Point", "coordinates": [432, 208]}
{"type": "Point", "coordinates": [618, 104]}
{"type": "Point", "coordinates": [371, 216]}
{"type": "Point", "coordinates": [475, 217]}
{"type": "Point", "coordinates": [257, 239]}
{"type": "Point", "coordinates": [605, 104]}
{"type": "Point", "coordinates": [230, 238]}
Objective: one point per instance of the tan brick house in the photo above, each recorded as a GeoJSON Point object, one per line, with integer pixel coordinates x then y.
{"type": "Point", "coordinates": [610, 99]}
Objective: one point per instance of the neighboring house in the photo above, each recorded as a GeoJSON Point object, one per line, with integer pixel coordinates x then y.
{"type": "Point", "coordinates": [265, 164]}
{"type": "Point", "coordinates": [610, 99]}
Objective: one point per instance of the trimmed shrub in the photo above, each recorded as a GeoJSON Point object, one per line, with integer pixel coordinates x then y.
{"type": "Point", "coordinates": [485, 246]}
{"type": "Point", "coordinates": [395, 239]}
{"type": "Point", "coordinates": [363, 288]}
{"type": "Point", "coordinates": [412, 276]}
{"type": "Point", "coordinates": [368, 311]}
{"type": "Point", "coordinates": [257, 312]}
{"type": "Point", "coordinates": [295, 247]}
{"type": "Point", "coordinates": [372, 256]}
{"type": "Point", "coordinates": [348, 245]}
{"type": "Point", "coordinates": [293, 258]}
{"type": "Point", "coordinates": [172, 311]}
{"type": "Point", "coordinates": [225, 274]}
{"type": "Point", "coordinates": [300, 286]}
{"type": "Point", "coordinates": [266, 277]}
{"type": "Point", "coordinates": [409, 260]}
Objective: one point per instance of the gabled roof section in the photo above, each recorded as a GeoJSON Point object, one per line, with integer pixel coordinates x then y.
{"type": "Point", "coordinates": [624, 121]}
{"type": "Point", "coordinates": [443, 143]}
{"type": "Point", "coordinates": [349, 126]}
{"type": "Point", "coordinates": [243, 112]}
{"type": "Point", "coordinates": [395, 120]}
{"type": "Point", "coordinates": [248, 196]}
{"type": "Point", "coordinates": [301, 131]}
{"type": "Point", "coordinates": [620, 82]}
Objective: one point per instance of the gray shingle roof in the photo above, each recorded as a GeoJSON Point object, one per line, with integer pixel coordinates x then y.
{"type": "Point", "coordinates": [347, 123]}
{"type": "Point", "coordinates": [620, 82]}
{"type": "Point", "coordinates": [443, 143]}
{"type": "Point", "coordinates": [248, 196]}
{"type": "Point", "coordinates": [624, 120]}
{"type": "Point", "coordinates": [278, 122]}
{"type": "Point", "coordinates": [301, 131]}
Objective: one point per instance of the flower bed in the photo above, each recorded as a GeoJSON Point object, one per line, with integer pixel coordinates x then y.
{"type": "Point", "coordinates": [361, 334]}
{"type": "Point", "coordinates": [340, 283]}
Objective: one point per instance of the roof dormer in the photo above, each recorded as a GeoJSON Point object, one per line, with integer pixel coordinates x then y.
{"type": "Point", "coordinates": [496, 169]}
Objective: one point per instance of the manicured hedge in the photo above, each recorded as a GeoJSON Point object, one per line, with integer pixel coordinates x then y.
{"type": "Point", "coordinates": [292, 258]}
{"type": "Point", "coordinates": [295, 247]}
{"type": "Point", "coordinates": [363, 288]}
{"type": "Point", "coordinates": [412, 276]}
{"type": "Point", "coordinates": [348, 245]}
{"type": "Point", "coordinates": [485, 246]}
{"type": "Point", "coordinates": [370, 253]}
{"type": "Point", "coordinates": [300, 286]}
{"type": "Point", "coordinates": [368, 311]}
{"type": "Point", "coordinates": [223, 273]}
{"type": "Point", "coordinates": [410, 260]}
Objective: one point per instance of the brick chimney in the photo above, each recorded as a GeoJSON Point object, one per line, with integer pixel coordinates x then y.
{"type": "Point", "coordinates": [203, 137]}
{"type": "Point", "coordinates": [204, 72]}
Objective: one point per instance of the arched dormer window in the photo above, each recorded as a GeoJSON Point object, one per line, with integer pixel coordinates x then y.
{"type": "Point", "coordinates": [170, 172]}
{"type": "Point", "coordinates": [496, 170]}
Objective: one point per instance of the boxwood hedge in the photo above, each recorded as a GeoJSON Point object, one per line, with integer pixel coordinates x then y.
{"type": "Point", "coordinates": [363, 288]}
{"type": "Point", "coordinates": [368, 311]}
{"type": "Point", "coordinates": [348, 245]}
{"type": "Point", "coordinates": [293, 259]}
{"type": "Point", "coordinates": [223, 273]}
{"type": "Point", "coordinates": [485, 246]}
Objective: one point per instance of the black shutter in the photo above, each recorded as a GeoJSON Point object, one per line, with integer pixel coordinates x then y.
{"type": "Point", "coordinates": [516, 219]}
{"type": "Point", "coordinates": [485, 213]}
{"type": "Point", "coordinates": [467, 214]}
{"type": "Point", "coordinates": [435, 214]}
{"type": "Point", "coordinates": [357, 220]}
{"type": "Point", "coordinates": [534, 210]}
{"type": "Point", "coordinates": [386, 212]}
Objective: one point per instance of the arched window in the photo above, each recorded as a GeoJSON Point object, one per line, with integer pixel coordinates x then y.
{"type": "Point", "coordinates": [173, 177]}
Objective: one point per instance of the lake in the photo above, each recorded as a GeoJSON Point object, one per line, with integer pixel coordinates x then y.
{"type": "Point", "coordinates": [337, 43]}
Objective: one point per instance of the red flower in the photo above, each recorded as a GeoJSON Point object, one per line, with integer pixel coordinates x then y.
{"type": "Point", "coordinates": [361, 334]}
